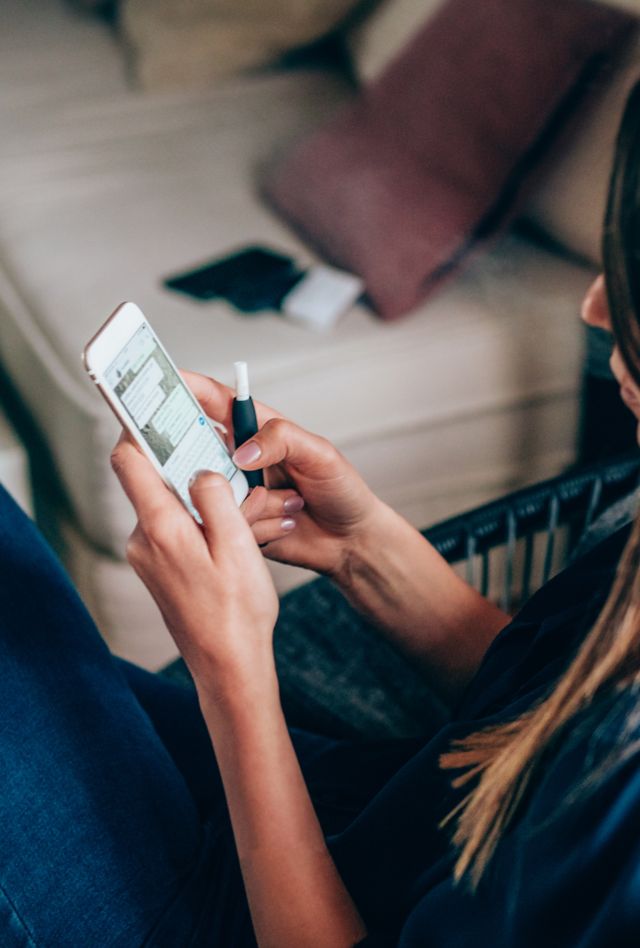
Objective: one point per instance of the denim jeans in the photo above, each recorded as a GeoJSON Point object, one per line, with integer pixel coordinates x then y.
{"type": "Point", "coordinates": [114, 826]}
{"type": "Point", "coordinates": [114, 829]}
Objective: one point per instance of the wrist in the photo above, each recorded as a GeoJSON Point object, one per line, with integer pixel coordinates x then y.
{"type": "Point", "coordinates": [234, 692]}
{"type": "Point", "coordinates": [364, 545]}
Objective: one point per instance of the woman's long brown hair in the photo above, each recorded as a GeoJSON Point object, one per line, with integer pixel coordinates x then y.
{"type": "Point", "coordinates": [503, 759]}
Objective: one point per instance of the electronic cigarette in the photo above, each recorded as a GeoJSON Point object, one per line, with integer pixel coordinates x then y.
{"type": "Point", "coordinates": [245, 423]}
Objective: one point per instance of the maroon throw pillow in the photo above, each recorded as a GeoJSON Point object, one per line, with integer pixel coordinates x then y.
{"type": "Point", "coordinates": [430, 159]}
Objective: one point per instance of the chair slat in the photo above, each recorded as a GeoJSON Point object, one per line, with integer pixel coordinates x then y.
{"type": "Point", "coordinates": [485, 575]}
{"type": "Point", "coordinates": [552, 526]}
{"type": "Point", "coordinates": [573, 500]}
{"type": "Point", "coordinates": [594, 500]}
{"type": "Point", "coordinates": [527, 567]}
{"type": "Point", "coordinates": [470, 555]}
{"type": "Point", "coordinates": [509, 557]}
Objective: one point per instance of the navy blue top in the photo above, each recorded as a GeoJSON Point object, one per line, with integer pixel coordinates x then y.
{"type": "Point", "coordinates": [567, 872]}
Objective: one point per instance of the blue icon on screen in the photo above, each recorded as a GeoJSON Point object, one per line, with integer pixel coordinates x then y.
{"type": "Point", "coordinates": [201, 420]}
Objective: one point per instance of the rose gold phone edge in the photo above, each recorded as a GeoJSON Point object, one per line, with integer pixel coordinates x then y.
{"type": "Point", "coordinates": [129, 425]}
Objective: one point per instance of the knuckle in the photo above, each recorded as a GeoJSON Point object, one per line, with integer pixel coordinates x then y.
{"type": "Point", "coordinates": [117, 460]}
{"type": "Point", "coordinates": [257, 503]}
{"type": "Point", "coordinates": [299, 441]}
{"type": "Point", "coordinates": [279, 427]}
{"type": "Point", "coordinates": [181, 536]}
{"type": "Point", "coordinates": [160, 529]}
{"type": "Point", "coordinates": [134, 549]}
{"type": "Point", "coordinates": [251, 514]}
{"type": "Point", "coordinates": [236, 546]}
{"type": "Point", "coordinates": [282, 434]}
{"type": "Point", "coordinates": [325, 449]}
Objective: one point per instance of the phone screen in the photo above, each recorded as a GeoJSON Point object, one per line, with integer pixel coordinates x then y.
{"type": "Point", "coordinates": [165, 413]}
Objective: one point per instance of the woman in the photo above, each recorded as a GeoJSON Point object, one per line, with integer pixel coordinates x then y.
{"type": "Point", "coordinates": [516, 824]}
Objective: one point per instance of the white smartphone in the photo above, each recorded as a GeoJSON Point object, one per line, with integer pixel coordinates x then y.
{"type": "Point", "coordinates": [142, 385]}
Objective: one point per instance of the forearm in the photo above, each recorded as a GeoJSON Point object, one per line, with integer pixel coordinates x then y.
{"type": "Point", "coordinates": [396, 578]}
{"type": "Point", "coordinates": [295, 893]}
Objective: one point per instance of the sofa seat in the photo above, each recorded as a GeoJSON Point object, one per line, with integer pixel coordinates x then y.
{"type": "Point", "coordinates": [104, 190]}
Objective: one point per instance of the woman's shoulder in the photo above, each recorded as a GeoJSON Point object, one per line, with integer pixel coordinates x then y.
{"type": "Point", "coordinates": [577, 847]}
{"type": "Point", "coordinates": [587, 792]}
{"type": "Point", "coordinates": [566, 872]}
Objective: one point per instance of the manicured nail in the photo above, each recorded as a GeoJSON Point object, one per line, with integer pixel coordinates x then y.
{"type": "Point", "coordinates": [247, 453]}
{"type": "Point", "coordinates": [293, 504]}
{"type": "Point", "coordinates": [288, 523]}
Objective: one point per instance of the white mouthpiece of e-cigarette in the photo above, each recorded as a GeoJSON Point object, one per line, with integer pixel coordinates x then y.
{"type": "Point", "coordinates": [242, 380]}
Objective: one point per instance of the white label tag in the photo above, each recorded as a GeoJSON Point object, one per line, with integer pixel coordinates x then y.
{"type": "Point", "coordinates": [322, 296]}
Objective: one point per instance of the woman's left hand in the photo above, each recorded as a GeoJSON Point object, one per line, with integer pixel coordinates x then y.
{"type": "Point", "coordinates": [217, 598]}
{"type": "Point", "coordinates": [211, 583]}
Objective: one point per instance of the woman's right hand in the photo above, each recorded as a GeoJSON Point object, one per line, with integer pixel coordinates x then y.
{"type": "Point", "coordinates": [339, 507]}
{"type": "Point", "coordinates": [384, 566]}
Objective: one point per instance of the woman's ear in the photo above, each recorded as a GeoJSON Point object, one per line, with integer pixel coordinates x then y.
{"type": "Point", "coordinates": [595, 307]}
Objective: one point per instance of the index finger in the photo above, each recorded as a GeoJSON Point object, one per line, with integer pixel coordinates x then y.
{"type": "Point", "coordinates": [217, 399]}
{"type": "Point", "coordinates": [140, 481]}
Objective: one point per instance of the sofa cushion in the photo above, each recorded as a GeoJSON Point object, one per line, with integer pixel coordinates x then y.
{"type": "Point", "coordinates": [379, 35]}
{"type": "Point", "coordinates": [569, 198]}
{"type": "Point", "coordinates": [185, 45]}
{"type": "Point", "coordinates": [377, 38]}
{"type": "Point", "coordinates": [432, 157]}
{"type": "Point", "coordinates": [104, 191]}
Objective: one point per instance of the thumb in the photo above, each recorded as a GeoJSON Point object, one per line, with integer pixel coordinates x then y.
{"type": "Point", "coordinates": [224, 524]}
{"type": "Point", "coordinates": [281, 441]}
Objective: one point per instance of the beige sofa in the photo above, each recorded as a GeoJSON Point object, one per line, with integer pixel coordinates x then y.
{"type": "Point", "coordinates": [105, 189]}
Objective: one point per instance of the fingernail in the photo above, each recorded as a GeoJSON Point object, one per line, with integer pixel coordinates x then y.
{"type": "Point", "coordinates": [288, 523]}
{"type": "Point", "coordinates": [293, 504]}
{"type": "Point", "coordinates": [247, 453]}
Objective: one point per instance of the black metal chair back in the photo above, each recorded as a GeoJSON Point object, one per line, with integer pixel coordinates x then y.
{"type": "Point", "coordinates": [529, 535]}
